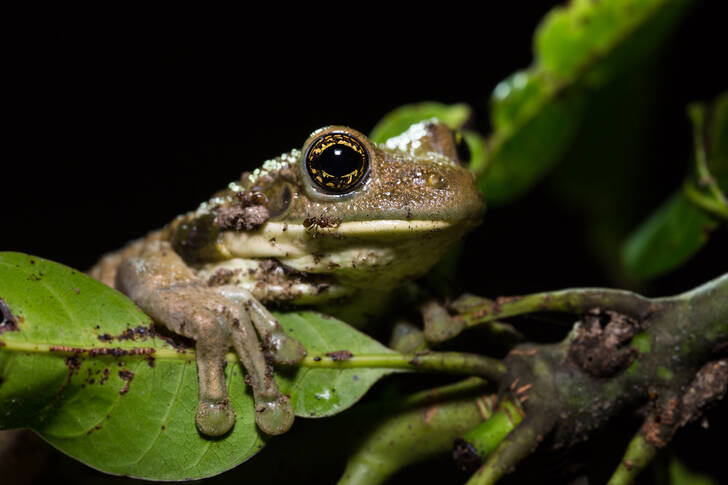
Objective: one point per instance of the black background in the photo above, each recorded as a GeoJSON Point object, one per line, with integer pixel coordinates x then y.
{"type": "Point", "coordinates": [118, 122]}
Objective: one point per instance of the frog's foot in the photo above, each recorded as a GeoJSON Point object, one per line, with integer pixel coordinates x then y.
{"type": "Point", "coordinates": [216, 323]}
{"type": "Point", "coordinates": [166, 289]}
{"type": "Point", "coordinates": [277, 344]}
{"type": "Point", "coordinates": [439, 325]}
{"type": "Point", "coordinates": [407, 338]}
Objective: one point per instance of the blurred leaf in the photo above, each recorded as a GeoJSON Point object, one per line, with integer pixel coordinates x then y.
{"type": "Point", "coordinates": [681, 226]}
{"type": "Point", "coordinates": [398, 120]}
{"type": "Point", "coordinates": [81, 365]}
{"type": "Point", "coordinates": [717, 140]}
{"type": "Point", "coordinates": [455, 116]}
{"type": "Point", "coordinates": [669, 238]}
{"type": "Point", "coordinates": [537, 112]}
{"type": "Point", "coordinates": [681, 475]}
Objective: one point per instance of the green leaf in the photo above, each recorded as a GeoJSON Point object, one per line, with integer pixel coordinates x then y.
{"type": "Point", "coordinates": [681, 226]}
{"type": "Point", "coordinates": [82, 366]}
{"type": "Point", "coordinates": [681, 475]}
{"type": "Point", "coordinates": [670, 237]}
{"type": "Point", "coordinates": [323, 392]}
{"type": "Point", "coordinates": [717, 140]}
{"type": "Point", "coordinates": [455, 116]}
{"type": "Point", "coordinates": [537, 112]}
{"type": "Point", "coordinates": [398, 120]}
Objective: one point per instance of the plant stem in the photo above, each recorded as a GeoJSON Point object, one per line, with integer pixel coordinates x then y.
{"type": "Point", "coordinates": [576, 300]}
{"type": "Point", "coordinates": [417, 428]}
{"type": "Point", "coordinates": [450, 362]}
{"type": "Point", "coordinates": [705, 178]}
{"type": "Point", "coordinates": [639, 454]}
{"type": "Point", "coordinates": [713, 205]}
{"type": "Point", "coordinates": [516, 446]}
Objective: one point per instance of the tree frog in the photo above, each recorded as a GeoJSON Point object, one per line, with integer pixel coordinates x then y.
{"type": "Point", "coordinates": [342, 217]}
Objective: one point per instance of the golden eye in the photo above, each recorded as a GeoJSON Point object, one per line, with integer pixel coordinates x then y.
{"type": "Point", "coordinates": [337, 162]}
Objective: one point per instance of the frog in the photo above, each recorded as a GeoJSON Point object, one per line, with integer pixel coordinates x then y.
{"type": "Point", "coordinates": [338, 220]}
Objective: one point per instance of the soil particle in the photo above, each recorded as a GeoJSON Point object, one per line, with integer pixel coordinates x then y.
{"type": "Point", "coordinates": [340, 355]}
{"type": "Point", "coordinates": [600, 344]}
{"type": "Point", "coordinates": [465, 456]}
{"type": "Point", "coordinates": [131, 333]}
{"type": "Point", "coordinates": [126, 376]}
{"type": "Point", "coordinates": [222, 276]}
{"type": "Point", "coordinates": [115, 351]}
{"type": "Point", "coordinates": [271, 273]}
{"type": "Point", "coordinates": [240, 218]}
{"type": "Point", "coordinates": [118, 352]}
{"type": "Point", "coordinates": [8, 323]}
{"type": "Point", "coordinates": [36, 276]}
{"type": "Point", "coordinates": [73, 364]}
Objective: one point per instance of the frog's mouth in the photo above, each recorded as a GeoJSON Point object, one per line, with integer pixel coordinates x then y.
{"type": "Point", "coordinates": [378, 253]}
{"type": "Point", "coordinates": [282, 240]}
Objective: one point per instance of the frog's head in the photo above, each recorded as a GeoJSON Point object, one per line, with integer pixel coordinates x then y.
{"type": "Point", "coordinates": [349, 207]}
{"type": "Point", "coordinates": [341, 175]}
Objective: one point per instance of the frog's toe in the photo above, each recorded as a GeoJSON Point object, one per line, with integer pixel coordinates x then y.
{"type": "Point", "coordinates": [276, 416]}
{"type": "Point", "coordinates": [284, 349]}
{"type": "Point", "coordinates": [439, 325]}
{"type": "Point", "coordinates": [214, 419]}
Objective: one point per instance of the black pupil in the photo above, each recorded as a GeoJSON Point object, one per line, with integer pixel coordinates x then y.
{"type": "Point", "coordinates": [339, 160]}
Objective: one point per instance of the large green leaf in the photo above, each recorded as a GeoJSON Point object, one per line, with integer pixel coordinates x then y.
{"type": "Point", "coordinates": [455, 116]}
{"type": "Point", "coordinates": [675, 232]}
{"type": "Point", "coordinates": [536, 112]}
{"type": "Point", "coordinates": [577, 49]}
{"type": "Point", "coordinates": [398, 120]}
{"type": "Point", "coordinates": [682, 225]}
{"type": "Point", "coordinates": [81, 365]}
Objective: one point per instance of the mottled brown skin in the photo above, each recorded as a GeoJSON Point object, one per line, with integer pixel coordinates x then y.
{"type": "Point", "coordinates": [205, 274]}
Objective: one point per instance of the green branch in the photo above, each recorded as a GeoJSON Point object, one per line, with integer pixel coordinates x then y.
{"type": "Point", "coordinates": [576, 300]}
{"type": "Point", "coordinates": [639, 454]}
{"type": "Point", "coordinates": [417, 428]}
{"type": "Point", "coordinates": [710, 203]}
{"type": "Point", "coordinates": [449, 362]}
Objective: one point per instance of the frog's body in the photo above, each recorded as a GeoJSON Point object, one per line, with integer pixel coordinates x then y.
{"type": "Point", "coordinates": [311, 227]}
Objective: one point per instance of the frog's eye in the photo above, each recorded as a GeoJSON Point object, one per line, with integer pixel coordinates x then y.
{"type": "Point", "coordinates": [461, 147]}
{"type": "Point", "coordinates": [337, 162]}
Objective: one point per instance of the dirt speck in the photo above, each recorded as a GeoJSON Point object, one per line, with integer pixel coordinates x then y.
{"type": "Point", "coordinates": [35, 276]}
{"type": "Point", "coordinates": [104, 378]}
{"type": "Point", "coordinates": [240, 218]}
{"type": "Point", "coordinates": [465, 456]}
{"type": "Point", "coordinates": [222, 276]}
{"type": "Point", "coordinates": [126, 376]}
{"type": "Point", "coordinates": [8, 323]}
{"type": "Point", "coordinates": [340, 355]}
{"type": "Point", "coordinates": [73, 363]}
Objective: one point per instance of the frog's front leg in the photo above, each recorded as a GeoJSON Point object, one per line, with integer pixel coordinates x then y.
{"type": "Point", "coordinates": [160, 282]}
